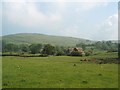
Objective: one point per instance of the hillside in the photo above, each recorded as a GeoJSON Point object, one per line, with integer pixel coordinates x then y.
{"type": "Point", "coordinates": [28, 38]}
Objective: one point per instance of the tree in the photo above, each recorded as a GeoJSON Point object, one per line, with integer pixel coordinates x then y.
{"type": "Point", "coordinates": [89, 52]}
{"type": "Point", "coordinates": [105, 46]}
{"type": "Point", "coordinates": [35, 48]}
{"type": "Point", "coordinates": [82, 45]}
{"type": "Point", "coordinates": [48, 49]}
{"type": "Point", "coordinates": [118, 50]}
{"type": "Point", "coordinates": [98, 45]}
{"type": "Point", "coordinates": [59, 51]}
{"type": "Point", "coordinates": [11, 47]}
{"type": "Point", "coordinates": [24, 48]}
{"type": "Point", "coordinates": [2, 44]}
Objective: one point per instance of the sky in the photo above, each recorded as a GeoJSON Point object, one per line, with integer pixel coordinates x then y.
{"type": "Point", "coordinates": [91, 19]}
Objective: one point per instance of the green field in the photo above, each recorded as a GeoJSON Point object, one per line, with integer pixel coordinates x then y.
{"type": "Point", "coordinates": [0, 72]}
{"type": "Point", "coordinates": [57, 72]}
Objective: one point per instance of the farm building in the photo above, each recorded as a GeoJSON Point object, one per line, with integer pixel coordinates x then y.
{"type": "Point", "coordinates": [76, 51]}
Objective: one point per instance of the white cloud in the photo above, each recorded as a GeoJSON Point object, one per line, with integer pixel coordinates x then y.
{"type": "Point", "coordinates": [19, 1]}
{"type": "Point", "coordinates": [27, 14]}
{"type": "Point", "coordinates": [109, 29]}
{"type": "Point", "coordinates": [70, 31]}
{"type": "Point", "coordinates": [74, 31]}
{"type": "Point", "coordinates": [92, 5]}
{"type": "Point", "coordinates": [62, 0]}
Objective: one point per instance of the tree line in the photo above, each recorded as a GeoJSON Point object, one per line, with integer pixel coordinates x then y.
{"type": "Point", "coordinates": [100, 45]}
{"type": "Point", "coordinates": [48, 49]}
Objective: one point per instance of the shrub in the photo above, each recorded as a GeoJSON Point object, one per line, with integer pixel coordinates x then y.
{"type": "Point", "coordinates": [76, 53]}
{"type": "Point", "coordinates": [88, 53]}
{"type": "Point", "coordinates": [9, 54]}
{"type": "Point", "coordinates": [43, 55]}
{"type": "Point", "coordinates": [60, 53]}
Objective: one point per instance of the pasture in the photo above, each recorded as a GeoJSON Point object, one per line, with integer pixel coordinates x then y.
{"type": "Point", "coordinates": [58, 72]}
{"type": "Point", "coordinates": [0, 72]}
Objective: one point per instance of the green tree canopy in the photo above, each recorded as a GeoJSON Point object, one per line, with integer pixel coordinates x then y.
{"type": "Point", "coordinates": [48, 49]}
{"type": "Point", "coordinates": [35, 48]}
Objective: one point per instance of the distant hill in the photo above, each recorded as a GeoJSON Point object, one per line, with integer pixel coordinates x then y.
{"type": "Point", "coordinates": [29, 38]}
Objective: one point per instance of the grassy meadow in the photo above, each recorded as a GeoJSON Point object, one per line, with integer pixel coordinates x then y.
{"type": "Point", "coordinates": [59, 72]}
{"type": "Point", "coordinates": [0, 72]}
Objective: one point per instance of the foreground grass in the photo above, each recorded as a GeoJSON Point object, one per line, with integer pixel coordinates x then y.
{"type": "Point", "coordinates": [57, 72]}
{"type": "Point", "coordinates": [0, 72]}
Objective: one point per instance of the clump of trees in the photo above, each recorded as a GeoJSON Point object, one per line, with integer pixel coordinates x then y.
{"type": "Point", "coordinates": [88, 53]}
{"type": "Point", "coordinates": [82, 45]}
{"type": "Point", "coordinates": [60, 51]}
{"type": "Point", "coordinates": [100, 45]}
{"type": "Point", "coordinates": [48, 49]}
{"type": "Point", "coordinates": [106, 45]}
{"type": "Point", "coordinates": [119, 50]}
{"type": "Point", "coordinates": [35, 48]}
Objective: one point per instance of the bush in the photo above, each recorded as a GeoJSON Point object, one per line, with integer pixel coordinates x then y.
{"type": "Point", "coordinates": [60, 53]}
{"type": "Point", "coordinates": [76, 53]}
{"type": "Point", "coordinates": [88, 53]}
{"type": "Point", "coordinates": [43, 55]}
{"type": "Point", "coordinates": [9, 55]}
